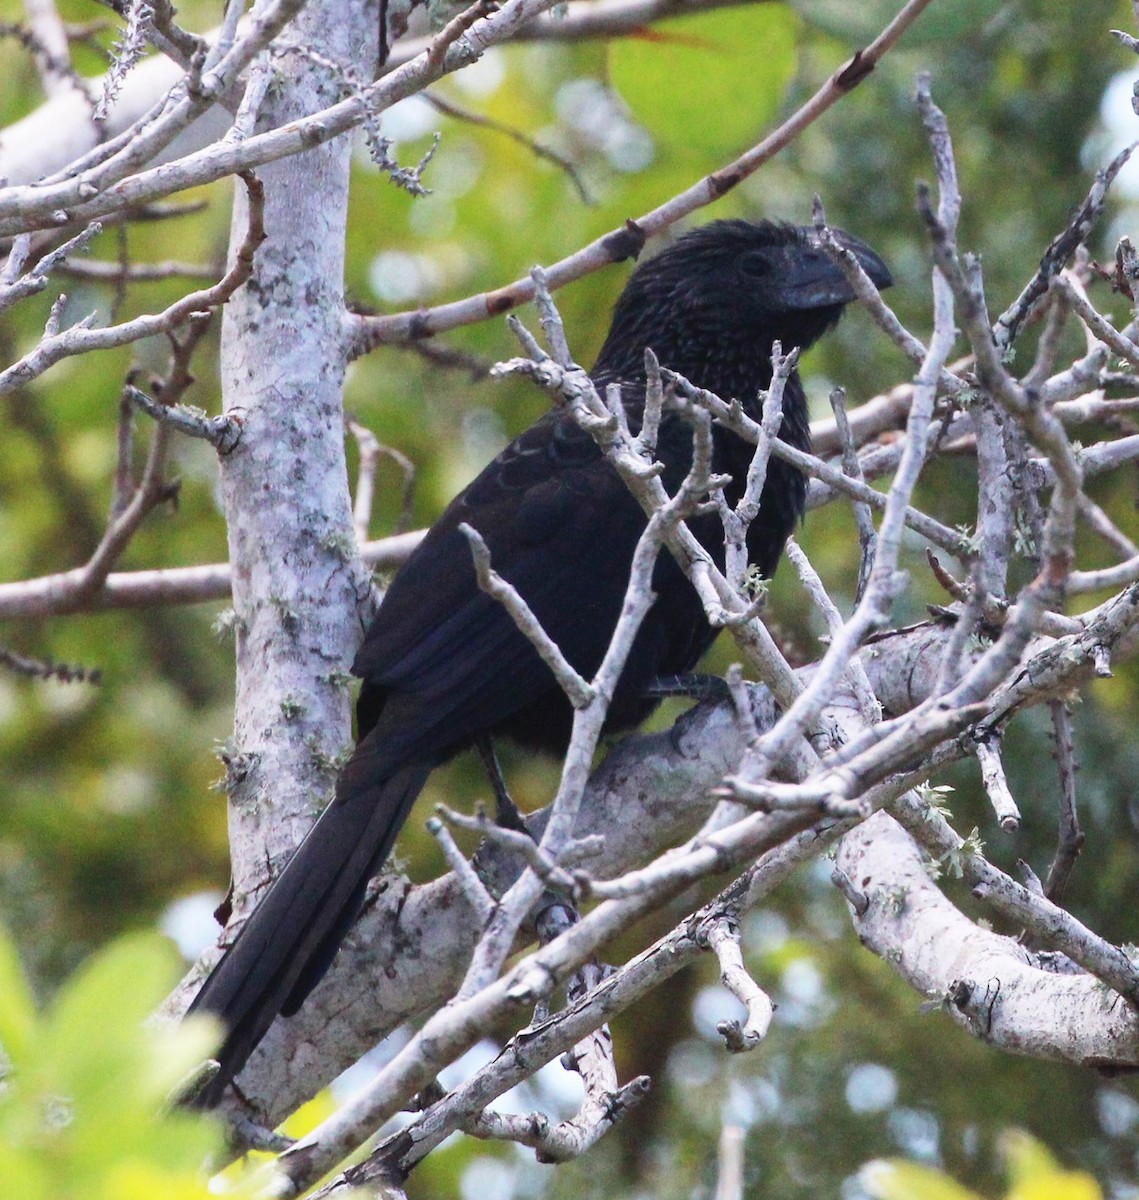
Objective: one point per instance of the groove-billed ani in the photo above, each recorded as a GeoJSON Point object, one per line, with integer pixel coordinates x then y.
{"type": "Point", "coordinates": [444, 665]}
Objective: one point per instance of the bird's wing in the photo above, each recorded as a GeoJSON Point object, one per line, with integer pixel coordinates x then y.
{"type": "Point", "coordinates": [442, 644]}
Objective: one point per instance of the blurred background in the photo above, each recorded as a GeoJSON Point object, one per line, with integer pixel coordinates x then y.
{"type": "Point", "coordinates": [110, 819]}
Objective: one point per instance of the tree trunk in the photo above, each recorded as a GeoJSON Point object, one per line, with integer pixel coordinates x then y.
{"type": "Point", "coordinates": [297, 579]}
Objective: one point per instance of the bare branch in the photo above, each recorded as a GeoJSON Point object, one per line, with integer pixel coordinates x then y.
{"type": "Point", "coordinates": [223, 431]}
{"type": "Point", "coordinates": [722, 603]}
{"type": "Point", "coordinates": [730, 1155]}
{"type": "Point", "coordinates": [575, 687]}
{"type": "Point", "coordinates": [1023, 405]}
{"type": "Point", "coordinates": [1051, 925]}
{"type": "Point", "coordinates": [722, 937]}
{"type": "Point", "coordinates": [114, 272]}
{"type": "Point", "coordinates": [480, 900]}
{"type": "Point", "coordinates": [32, 668]}
{"type": "Point", "coordinates": [523, 845]}
{"type": "Point", "coordinates": [80, 338]}
{"type": "Point", "coordinates": [996, 785]}
{"type": "Point", "coordinates": [367, 333]}
{"type": "Point", "coordinates": [14, 289]}
{"type": "Point", "coordinates": [1061, 249]}
{"type": "Point", "coordinates": [168, 35]}
{"type": "Point", "coordinates": [107, 185]}
{"type": "Point", "coordinates": [864, 523]}
{"type": "Point", "coordinates": [539, 1044]}
{"type": "Point", "coordinates": [739, 422]}
{"type": "Point", "coordinates": [953, 962]}
{"type": "Point", "coordinates": [59, 594]}
{"type": "Point", "coordinates": [1071, 837]}
{"type": "Point", "coordinates": [996, 505]}
{"type": "Point", "coordinates": [738, 521]}
{"type": "Point", "coordinates": [886, 581]}
{"type": "Point", "coordinates": [868, 702]}
{"type": "Point", "coordinates": [481, 120]}
{"type": "Point", "coordinates": [125, 53]}
{"type": "Point", "coordinates": [1098, 325]}
{"type": "Point", "coordinates": [369, 447]}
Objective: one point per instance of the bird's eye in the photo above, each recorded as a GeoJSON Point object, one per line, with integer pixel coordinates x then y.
{"type": "Point", "coordinates": [754, 265]}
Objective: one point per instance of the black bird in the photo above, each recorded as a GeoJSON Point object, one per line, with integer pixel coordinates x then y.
{"type": "Point", "coordinates": [443, 664]}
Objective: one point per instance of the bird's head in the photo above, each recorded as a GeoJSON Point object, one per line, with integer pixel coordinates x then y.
{"type": "Point", "coordinates": [712, 303]}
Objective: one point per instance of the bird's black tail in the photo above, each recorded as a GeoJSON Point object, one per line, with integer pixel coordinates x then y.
{"type": "Point", "coordinates": [289, 941]}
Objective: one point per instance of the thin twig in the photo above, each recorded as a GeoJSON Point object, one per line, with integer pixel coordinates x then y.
{"type": "Point", "coordinates": [723, 938]}
{"type": "Point", "coordinates": [1070, 839]}
{"type": "Point", "coordinates": [367, 333]}
{"type": "Point", "coordinates": [480, 900]}
{"type": "Point", "coordinates": [481, 120]}
{"type": "Point", "coordinates": [1061, 249]}
{"type": "Point", "coordinates": [863, 522]}
{"type": "Point", "coordinates": [222, 432]}
{"type": "Point", "coordinates": [55, 595]}
{"type": "Point", "coordinates": [36, 668]}
{"type": "Point", "coordinates": [996, 785]}
{"type": "Point", "coordinates": [578, 690]}
{"type": "Point", "coordinates": [80, 338]}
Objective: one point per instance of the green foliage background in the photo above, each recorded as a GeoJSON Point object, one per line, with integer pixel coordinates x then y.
{"type": "Point", "coordinates": [82, 1112]}
{"type": "Point", "coordinates": [108, 811]}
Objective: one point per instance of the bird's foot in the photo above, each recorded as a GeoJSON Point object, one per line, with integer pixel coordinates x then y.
{"type": "Point", "coordinates": [506, 812]}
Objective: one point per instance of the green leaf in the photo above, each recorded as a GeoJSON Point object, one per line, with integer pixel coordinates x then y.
{"type": "Point", "coordinates": [708, 84]}
{"type": "Point", "coordinates": [82, 1111]}
{"type": "Point", "coordinates": [1061, 1185]}
{"type": "Point", "coordinates": [24, 1172]}
{"type": "Point", "coordinates": [893, 1179]}
{"type": "Point", "coordinates": [95, 1032]}
{"type": "Point", "coordinates": [1034, 1173]}
{"type": "Point", "coordinates": [17, 1008]}
{"type": "Point", "coordinates": [1025, 1157]}
{"type": "Point", "coordinates": [126, 978]}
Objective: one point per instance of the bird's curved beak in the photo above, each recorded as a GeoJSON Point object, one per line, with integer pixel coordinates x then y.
{"type": "Point", "coordinates": [814, 281]}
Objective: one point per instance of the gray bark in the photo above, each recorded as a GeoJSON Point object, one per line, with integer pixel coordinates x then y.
{"type": "Point", "coordinates": [297, 580]}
